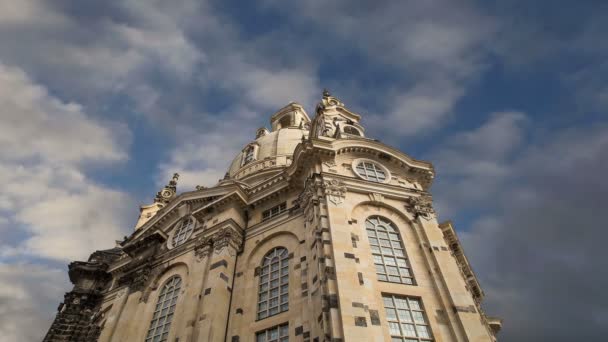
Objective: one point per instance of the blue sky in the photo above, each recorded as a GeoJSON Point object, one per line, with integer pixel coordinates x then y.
{"type": "Point", "coordinates": [100, 103]}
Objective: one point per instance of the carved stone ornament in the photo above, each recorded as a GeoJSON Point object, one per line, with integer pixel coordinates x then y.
{"type": "Point", "coordinates": [203, 248]}
{"type": "Point", "coordinates": [121, 293]}
{"type": "Point", "coordinates": [335, 191]}
{"type": "Point", "coordinates": [140, 278]}
{"type": "Point", "coordinates": [330, 163]}
{"type": "Point", "coordinates": [226, 237]}
{"type": "Point", "coordinates": [310, 188]}
{"type": "Point", "coordinates": [421, 206]}
{"type": "Point", "coordinates": [376, 197]}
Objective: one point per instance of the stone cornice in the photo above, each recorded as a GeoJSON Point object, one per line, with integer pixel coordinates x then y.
{"type": "Point", "coordinates": [136, 247]}
{"type": "Point", "coordinates": [83, 269]}
{"type": "Point", "coordinates": [191, 197]}
{"type": "Point", "coordinates": [364, 187]}
{"type": "Point", "coordinates": [451, 238]}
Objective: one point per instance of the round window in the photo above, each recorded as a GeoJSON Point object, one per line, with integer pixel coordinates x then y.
{"type": "Point", "coordinates": [183, 232]}
{"type": "Point", "coordinates": [371, 171]}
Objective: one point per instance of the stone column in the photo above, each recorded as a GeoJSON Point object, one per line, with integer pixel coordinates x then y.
{"type": "Point", "coordinates": [217, 293]}
{"type": "Point", "coordinates": [114, 315]}
{"type": "Point", "coordinates": [199, 275]}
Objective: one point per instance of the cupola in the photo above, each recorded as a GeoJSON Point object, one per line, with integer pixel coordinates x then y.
{"type": "Point", "coordinates": [292, 115]}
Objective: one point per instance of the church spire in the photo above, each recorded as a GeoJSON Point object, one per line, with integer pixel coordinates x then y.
{"type": "Point", "coordinates": [168, 192]}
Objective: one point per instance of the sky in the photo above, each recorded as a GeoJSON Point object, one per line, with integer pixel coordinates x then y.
{"type": "Point", "coordinates": [101, 101]}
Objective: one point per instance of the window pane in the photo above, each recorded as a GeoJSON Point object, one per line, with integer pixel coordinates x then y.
{"type": "Point", "coordinates": [161, 321]}
{"type": "Point", "coordinates": [418, 318]}
{"type": "Point", "coordinates": [370, 171]}
{"type": "Point", "coordinates": [183, 232]}
{"type": "Point", "coordinates": [387, 253]}
{"type": "Point", "coordinates": [394, 328]}
{"type": "Point", "coordinates": [406, 318]}
{"type": "Point", "coordinates": [273, 298]}
{"type": "Point", "coordinates": [408, 330]}
{"type": "Point", "coordinates": [401, 303]}
{"type": "Point", "coordinates": [422, 331]}
{"type": "Point", "coordinates": [388, 301]}
{"type": "Point", "coordinates": [414, 304]}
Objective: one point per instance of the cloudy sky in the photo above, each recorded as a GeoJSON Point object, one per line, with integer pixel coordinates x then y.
{"type": "Point", "coordinates": [101, 101]}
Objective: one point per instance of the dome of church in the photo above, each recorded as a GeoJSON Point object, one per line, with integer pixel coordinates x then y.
{"type": "Point", "coordinates": [275, 148]}
{"type": "Point", "coordinates": [272, 150]}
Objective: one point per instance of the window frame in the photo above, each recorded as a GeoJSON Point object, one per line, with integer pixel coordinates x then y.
{"type": "Point", "coordinates": [404, 316]}
{"type": "Point", "coordinates": [248, 155]}
{"type": "Point", "coordinates": [377, 165]}
{"type": "Point", "coordinates": [281, 328]}
{"type": "Point", "coordinates": [383, 252]}
{"type": "Point", "coordinates": [165, 301]}
{"type": "Point", "coordinates": [175, 240]}
{"type": "Point", "coordinates": [265, 283]}
{"type": "Point", "coordinates": [274, 211]}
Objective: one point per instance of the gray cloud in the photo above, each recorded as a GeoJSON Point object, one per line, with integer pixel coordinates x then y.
{"type": "Point", "coordinates": [538, 248]}
{"type": "Point", "coordinates": [440, 47]}
{"type": "Point", "coordinates": [194, 74]}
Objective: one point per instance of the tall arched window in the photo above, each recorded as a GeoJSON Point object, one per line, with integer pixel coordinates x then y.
{"type": "Point", "coordinates": [273, 293]}
{"type": "Point", "coordinates": [163, 313]}
{"type": "Point", "coordinates": [389, 254]}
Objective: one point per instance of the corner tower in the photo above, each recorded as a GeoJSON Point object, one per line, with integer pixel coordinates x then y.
{"type": "Point", "coordinates": [317, 233]}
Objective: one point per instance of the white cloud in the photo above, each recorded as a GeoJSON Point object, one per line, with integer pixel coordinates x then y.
{"type": "Point", "coordinates": [28, 293]}
{"type": "Point", "coordinates": [37, 125]}
{"type": "Point", "coordinates": [44, 143]}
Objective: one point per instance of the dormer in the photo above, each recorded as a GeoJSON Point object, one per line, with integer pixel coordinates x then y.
{"type": "Point", "coordinates": [262, 131]}
{"type": "Point", "coordinates": [292, 115]}
{"type": "Point", "coordinates": [250, 153]}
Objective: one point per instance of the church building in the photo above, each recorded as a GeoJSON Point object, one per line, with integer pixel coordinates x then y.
{"type": "Point", "coordinates": [317, 232]}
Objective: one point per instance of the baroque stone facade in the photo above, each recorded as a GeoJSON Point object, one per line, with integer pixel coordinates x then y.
{"type": "Point", "coordinates": [316, 233]}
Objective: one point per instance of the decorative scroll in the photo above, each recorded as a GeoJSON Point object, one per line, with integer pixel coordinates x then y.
{"type": "Point", "coordinates": [421, 205]}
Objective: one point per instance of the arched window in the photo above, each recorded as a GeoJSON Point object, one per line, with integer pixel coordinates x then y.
{"type": "Point", "coordinates": [249, 155]}
{"type": "Point", "coordinates": [273, 295]}
{"type": "Point", "coordinates": [371, 171]}
{"type": "Point", "coordinates": [164, 311]}
{"type": "Point", "coordinates": [351, 130]}
{"type": "Point", "coordinates": [389, 254]}
{"type": "Point", "coordinates": [183, 232]}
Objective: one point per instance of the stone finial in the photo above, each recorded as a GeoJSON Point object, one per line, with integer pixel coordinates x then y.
{"type": "Point", "coordinates": [168, 192]}
{"type": "Point", "coordinates": [328, 100]}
